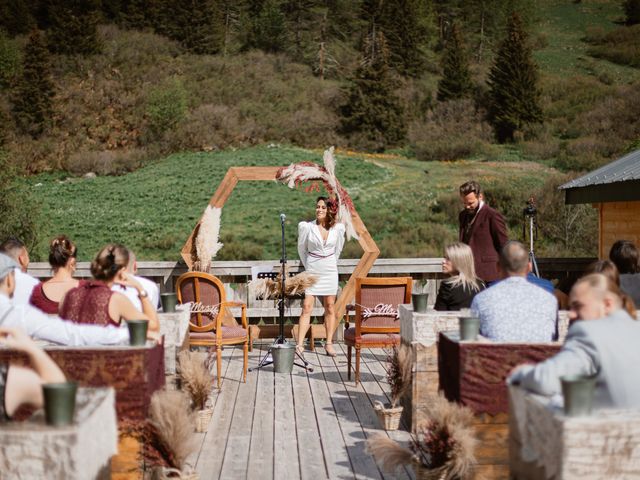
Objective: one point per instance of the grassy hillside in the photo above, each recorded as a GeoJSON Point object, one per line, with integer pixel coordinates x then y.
{"type": "Point", "coordinates": [409, 207]}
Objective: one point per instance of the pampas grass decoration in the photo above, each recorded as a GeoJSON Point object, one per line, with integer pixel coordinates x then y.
{"type": "Point", "coordinates": [196, 378]}
{"type": "Point", "coordinates": [444, 444]}
{"type": "Point", "coordinates": [267, 288]}
{"type": "Point", "coordinates": [399, 373]}
{"type": "Point", "coordinates": [173, 423]}
{"type": "Point", "coordinates": [207, 244]}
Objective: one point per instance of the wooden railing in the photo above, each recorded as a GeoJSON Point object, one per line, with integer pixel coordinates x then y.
{"type": "Point", "coordinates": [236, 274]}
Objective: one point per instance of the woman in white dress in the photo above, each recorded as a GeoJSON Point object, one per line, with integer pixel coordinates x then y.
{"type": "Point", "coordinates": [319, 245]}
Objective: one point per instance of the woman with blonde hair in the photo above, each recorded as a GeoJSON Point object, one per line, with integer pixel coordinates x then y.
{"type": "Point", "coordinates": [62, 257]}
{"type": "Point", "coordinates": [457, 291]}
{"type": "Point", "coordinates": [95, 302]}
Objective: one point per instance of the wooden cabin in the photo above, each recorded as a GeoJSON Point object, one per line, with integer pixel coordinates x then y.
{"type": "Point", "coordinates": [614, 190]}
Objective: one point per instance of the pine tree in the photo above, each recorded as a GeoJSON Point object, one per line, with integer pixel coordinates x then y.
{"type": "Point", "coordinates": [373, 117]}
{"type": "Point", "coordinates": [632, 11]}
{"type": "Point", "coordinates": [32, 97]}
{"type": "Point", "coordinates": [513, 84]}
{"type": "Point", "coordinates": [269, 30]}
{"type": "Point", "coordinates": [456, 79]}
{"type": "Point", "coordinates": [140, 14]}
{"type": "Point", "coordinates": [197, 24]}
{"type": "Point", "coordinates": [16, 17]}
{"type": "Point", "coordinates": [302, 18]}
{"type": "Point", "coordinates": [73, 26]}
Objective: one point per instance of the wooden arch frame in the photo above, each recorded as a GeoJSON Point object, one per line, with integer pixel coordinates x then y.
{"type": "Point", "coordinates": [236, 174]}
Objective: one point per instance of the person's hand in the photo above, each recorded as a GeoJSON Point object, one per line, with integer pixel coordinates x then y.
{"type": "Point", "coordinates": [514, 375]}
{"type": "Point", "coordinates": [151, 335]}
{"type": "Point", "coordinates": [127, 280]}
{"type": "Point", "coordinates": [16, 339]}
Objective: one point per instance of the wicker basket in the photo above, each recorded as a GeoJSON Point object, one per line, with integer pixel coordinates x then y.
{"type": "Point", "coordinates": [203, 417]}
{"type": "Point", "coordinates": [389, 417]}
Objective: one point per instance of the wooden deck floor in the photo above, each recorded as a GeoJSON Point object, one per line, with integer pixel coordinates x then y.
{"type": "Point", "coordinates": [304, 425]}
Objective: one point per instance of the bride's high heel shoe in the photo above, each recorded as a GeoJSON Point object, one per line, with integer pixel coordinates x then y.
{"type": "Point", "coordinates": [300, 349]}
{"type": "Point", "coordinates": [328, 347]}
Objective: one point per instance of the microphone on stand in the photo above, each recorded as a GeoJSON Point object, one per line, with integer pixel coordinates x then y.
{"type": "Point", "coordinates": [283, 217]}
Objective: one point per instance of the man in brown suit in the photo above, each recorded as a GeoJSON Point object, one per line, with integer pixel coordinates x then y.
{"type": "Point", "coordinates": [483, 229]}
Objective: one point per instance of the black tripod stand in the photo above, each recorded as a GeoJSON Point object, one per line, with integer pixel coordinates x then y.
{"type": "Point", "coordinates": [529, 215]}
{"type": "Point", "coordinates": [268, 358]}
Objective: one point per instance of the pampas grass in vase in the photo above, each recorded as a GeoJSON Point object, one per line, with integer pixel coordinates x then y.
{"type": "Point", "coordinates": [444, 447]}
{"type": "Point", "coordinates": [207, 240]}
{"type": "Point", "coordinates": [171, 434]}
{"type": "Point", "coordinates": [197, 381]}
{"type": "Point", "coordinates": [399, 379]}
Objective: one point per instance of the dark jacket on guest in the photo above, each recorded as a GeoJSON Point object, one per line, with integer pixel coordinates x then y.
{"type": "Point", "coordinates": [457, 297]}
{"type": "Point", "coordinates": [486, 236]}
{"type": "Point", "coordinates": [630, 284]}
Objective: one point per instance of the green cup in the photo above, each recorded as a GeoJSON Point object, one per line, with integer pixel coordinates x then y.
{"type": "Point", "coordinates": [59, 402]}
{"type": "Point", "coordinates": [419, 302]}
{"type": "Point", "coordinates": [578, 391]}
{"type": "Point", "coordinates": [168, 302]}
{"type": "Point", "coordinates": [137, 332]}
{"type": "Point", "coordinates": [469, 328]}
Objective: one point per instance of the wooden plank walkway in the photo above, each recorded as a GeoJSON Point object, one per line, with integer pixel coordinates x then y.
{"type": "Point", "coordinates": [300, 426]}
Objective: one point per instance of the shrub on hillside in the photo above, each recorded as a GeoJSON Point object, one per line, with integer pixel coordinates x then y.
{"type": "Point", "coordinates": [166, 106]}
{"type": "Point", "coordinates": [10, 60]}
{"type": "Point", "coordinates": [106, 162]}
{"type": "Point", "coordinates": [619, 46]}
{"type": "Point", "coordinates": [451, 130]}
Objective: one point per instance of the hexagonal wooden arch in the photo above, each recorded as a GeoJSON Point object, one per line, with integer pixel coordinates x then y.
{"type": "Point", "coordinates": [236, 174]}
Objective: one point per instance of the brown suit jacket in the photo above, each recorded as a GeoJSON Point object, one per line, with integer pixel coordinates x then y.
{"type": "Point", "coordinates": [488, 235]}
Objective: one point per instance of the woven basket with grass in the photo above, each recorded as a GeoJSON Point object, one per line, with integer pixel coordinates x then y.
{"type": "Point", "coordinates": [203, 417]}
{"type": "Point", "coordinates": [389, 417]}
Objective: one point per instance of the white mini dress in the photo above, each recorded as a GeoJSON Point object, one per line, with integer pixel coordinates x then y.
{"type": "Point", "coordinates": [320, 258]}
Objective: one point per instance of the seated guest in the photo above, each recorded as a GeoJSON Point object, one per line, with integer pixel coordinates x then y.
{"type": "Point", "coordinates": [131, 293]}
{"type": "Point", "coordinates": [515, 310]}
{"type": "Point", "coordinates": [626, 257]}
{"type": "Point", "coordinates": [62, 257]}
{"type": "Point", "coordinates": [25, 283]}
{"type": "Point", "coordinates": [44, 327]}
{"type": "Point", "coordinates": [605, 344]}
{"type": "Point", "coordinates": [539, 281]}
{"type": "Point", "coordinates": [95, 302]}
{"type": "Point", "coordinates": [457, 291]}
{"type": "Point", "coordinates": [22, 385]}
{"type": "Point", "coordinates": [609, 270]}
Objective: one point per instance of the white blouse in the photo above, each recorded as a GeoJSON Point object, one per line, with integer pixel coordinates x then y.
{"type": "Point", "coordinates": [312, 247]}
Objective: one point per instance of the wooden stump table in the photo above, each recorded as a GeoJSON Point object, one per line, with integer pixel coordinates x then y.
{"type": "Point", "coordinates": [134, 372]}
{"type": "Point", "coordinates": [81, 451]}
{"type": "Point", "coordinates": [421, 331]}
{"type": "Point", "coordinates": [175, 329]}
{"type": "Point", "coordinates": [473, 374]}
{"type": "Point", "coordinates": [544, 443]}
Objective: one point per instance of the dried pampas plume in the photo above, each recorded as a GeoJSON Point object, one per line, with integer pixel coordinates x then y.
{"type": "Point", "coordinates": [197, 381]}
{"type": "Point", "coordinates": [173, 423]}
{"type": "Point", "coordinates": [444, 446]}
{"type": "Point", "coordinates": [266, 288]}
{"type": "Point", "coordinates": [207, 244]}
{"type": "Point", "coordinates": [399, 373]}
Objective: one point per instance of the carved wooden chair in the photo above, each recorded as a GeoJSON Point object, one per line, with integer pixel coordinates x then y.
{"type": "Point", "coordinates": [211, 324]}
{"type": "Point", "coordinates": [377, 324]}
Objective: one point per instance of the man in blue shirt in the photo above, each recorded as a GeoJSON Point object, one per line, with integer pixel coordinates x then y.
{"type": "Point", "coordinates": [515, 310]}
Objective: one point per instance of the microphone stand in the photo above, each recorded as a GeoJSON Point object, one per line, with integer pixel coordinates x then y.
{"type": "Point", "coordinates": [268, 358]}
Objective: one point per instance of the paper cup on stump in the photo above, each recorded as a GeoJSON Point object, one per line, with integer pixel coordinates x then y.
{"type": "Point", "coordinates": [469, 328]}
{"type": "Point", "coordinates": [168, 302]}
{"type": "Point", "coordinates": [419, 302]}
{"type": "Point", "coordinates": [578, 391]}
{"type": "Point", "coordinates": [137, 332]}
{"type": "Point", "coordinates": [59, 402]}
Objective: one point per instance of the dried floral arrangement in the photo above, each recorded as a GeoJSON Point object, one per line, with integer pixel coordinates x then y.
{"type": "Point", "coordinates": [169, 435]}
{"type": "Point", "coordinates": [266, 288]}
{"type": "Point", "coordinates": [302, 172]}
{"type": "Point", "coordinates": [399, 373]}
{"type": "Point", "coordinates": [444, 445]}
{"type": "Point", "coordinates": [207, 241]}
{"type": "Point", "coordinates": [197, 380]}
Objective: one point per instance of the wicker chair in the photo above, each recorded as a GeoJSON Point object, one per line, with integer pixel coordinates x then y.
{"type": "Point", "coordinates": [213, 327]}
{"type": "Point", "coordinates": [376, 321]}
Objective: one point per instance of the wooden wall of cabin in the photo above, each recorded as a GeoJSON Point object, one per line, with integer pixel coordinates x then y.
{"type": "Point", "coordinates": [618, 221]}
